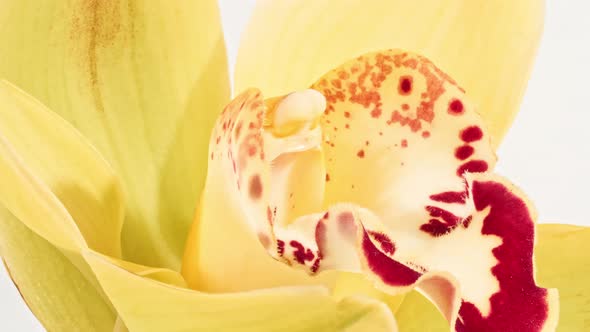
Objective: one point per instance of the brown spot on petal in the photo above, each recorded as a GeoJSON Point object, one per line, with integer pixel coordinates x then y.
{"type": "Point", "coordinates": [255, 187]}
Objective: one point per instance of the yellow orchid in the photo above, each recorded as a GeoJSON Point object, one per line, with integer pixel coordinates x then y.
{"type": "Point", "coordinates": [343, 176]}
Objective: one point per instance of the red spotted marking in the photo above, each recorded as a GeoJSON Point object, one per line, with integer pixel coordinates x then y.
{"type": "Point", "coordinates": [464, 151]}
{"type": "Point", "coordinates": [471, 134]}
{"type": "Point", "coordinates": [425, 134]}
{"type": "Point", "coordinates": [473, 166]}
{"type": "Point", "coordinates": [361, 154]}
{"type": "Point", "coordinates": [404, 143]}
{"type": "Point", "coordinates": [301, 254]}
{"type": "Point", "coordinates": [456, 107]}
{"type": "Point", "coordinates": [450, 197]}
{"type": "Point", "coordinates": [405, 85]}
{"type": "Point", "coordinates": [281, 247]}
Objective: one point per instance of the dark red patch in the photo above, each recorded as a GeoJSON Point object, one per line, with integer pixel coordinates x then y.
{"type": "Point", "coordinates": [316, 265]}
{"type": "Point", "coordinates": [255, 187]}
{"type": "Point", "coordinates": [473, 166]}
{"type": "Point", "coordinates": [388, 270]}
{"type": "Point", "coordinates": [450, 197]}
{"type": "Point", "coordinates": [281, 247]}
{"type": "Point", "coordinates": [519, 305]}
{"type": "Point", "coordinates": [464, 151]}
{"type": "Point", "coordinates": [361, 154]}
{"type": "Point", "coordinates": [443, 214]}
{"type": "Point", "coordinates": [471, 134]}
{"type": "Point", "coordinates": [436, 228]}
{"type": "Point", "coordinates": [301, 254]}
{"type": "Point", "coordinates": [456, 107]}
{"type": "Point", "coordinates": [387, 246]}
{"type": "Point", "coordinates": [405, 85]}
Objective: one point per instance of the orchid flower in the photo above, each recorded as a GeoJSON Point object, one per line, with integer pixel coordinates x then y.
{"type": "Point", "coordinates": [350, 182]}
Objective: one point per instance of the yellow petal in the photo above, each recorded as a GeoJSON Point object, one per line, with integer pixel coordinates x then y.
{"type": "Point", "coordinates": [143, 81]}
{"type": "Point", "coordinates": [562, 254]}
{"type": "Point", "coordinates": [53, 180]}
{"type": "Point", "coordinates": [55, 290]}
{"type": "Point", "coordinates": [58, 196]}
{"type": "Point", "coordinates": [488, 46]}
{"type": "Point", "coordinates": [417, 314]}
{"type": "Point", "coordinates": [178, 309]}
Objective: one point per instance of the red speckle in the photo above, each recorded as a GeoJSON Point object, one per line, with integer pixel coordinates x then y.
{"type": "Point", "coordinates": [327, 177]}
{"type": "Point", "coordinates": [464, 152]}
{"type": "Point", "coordinates": [405, 107]}
{"type": "Point", "coordinates": [347, 126]}
{"type": "Point", "coordinates": [466, 222]}
{"type": "Point", "coordinates": [301, 254]}
{"type": "Point", "coordinates": [281, 247]}
{"type": "Point", "coordinates": [347, 114]}
{"type": "Point", "coordinates": [376, 113]}
{"type": "Point", "coordinates": [436, 228]}
{"type": "Point", "coordinates": [473, 166]}
{"type": "Point", "coordinates": [405, 85]}
{"type": "Point", "coordinates": [445, 215]}
{"type": "Point", "coordinates": [471, 134]}
{"type": "Point", "coordinates": [316, 265]}
{"type": "Point", "coordinates": [387, 246]}
{"type": "Point", "coordinates": [404, 143]}
{"type": "Point", "coordinates": [450, 197]}
{"type": "Point", "coordinates": [361, 154]}
{"type": "Point", "coordinates": [456, 107]}
{"type": "Point", "coordinates": [425, 134]}
{"type": "Point", "coordinates": [255, 187]}
{"type": "Point", "coordinates": [238, 130]}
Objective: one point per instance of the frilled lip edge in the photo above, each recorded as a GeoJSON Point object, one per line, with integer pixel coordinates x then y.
{"type": "Point", "coordinates": [350, 238]}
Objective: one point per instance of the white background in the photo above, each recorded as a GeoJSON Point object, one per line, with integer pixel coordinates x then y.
{"type": "Point", "coordinates": [547, 151]}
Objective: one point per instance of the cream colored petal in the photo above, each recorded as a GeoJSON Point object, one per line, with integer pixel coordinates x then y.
{"type": "Point", "coordinates": [488, 46]}
{"type": "Point", "coordinates": [178, 309]}
{"type": "Point", "coordinates": [562, 255]}
{"type": "Point", "coordinates": [143, 81]}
